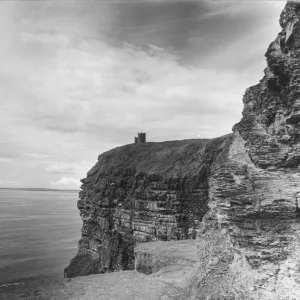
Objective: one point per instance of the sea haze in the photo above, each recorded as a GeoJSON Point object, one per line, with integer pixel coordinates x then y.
{"type": "Point", "coordinates": [39, 231]}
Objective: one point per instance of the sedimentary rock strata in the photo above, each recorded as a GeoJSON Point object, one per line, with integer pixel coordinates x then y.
{"type": "Point", "coordinates": [171, 266]}
{"type": "Point", "coordinates": [249, 240]}
{"type": "Point", "coordinates": [141, 193]}
{"type": "Point", "coordinates": [243, 189]}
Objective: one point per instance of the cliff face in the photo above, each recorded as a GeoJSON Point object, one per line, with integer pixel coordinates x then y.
{"type": "Point", "coordinates": [141, 193]}
{"type": "Point", "coordinates": [243, 189]}
{"type": "Point", "coordinates": [249, 240]}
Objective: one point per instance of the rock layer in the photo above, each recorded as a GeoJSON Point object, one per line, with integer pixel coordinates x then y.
{"type": "Point", "coordinates": [141, 193]}
{"type": "Point", "coordinates": [248, 242]}
{"type": "Point", "coordinates": [172, 265]}
{"type": "Point", "coordinates": [246, 185]}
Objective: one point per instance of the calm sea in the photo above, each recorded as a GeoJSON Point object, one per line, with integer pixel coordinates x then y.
{"type": "Point", "coordinates": [39, 231]}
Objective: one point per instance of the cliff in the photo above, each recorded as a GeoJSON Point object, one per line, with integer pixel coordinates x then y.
{"type": "Point", "coordinates": [248, 242]}
{"type": "Point", "coordinates": [141, 193]}
{"type": "Point", "coordinates": [242, 189]}
{"type": "Point", "coordinates": [170, 267]}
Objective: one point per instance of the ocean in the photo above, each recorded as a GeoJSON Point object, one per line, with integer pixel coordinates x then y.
{"type": "Point", "coordinates": [39, 231]}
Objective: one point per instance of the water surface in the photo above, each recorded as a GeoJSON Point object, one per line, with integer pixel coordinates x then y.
{"type": "Point", "coordinates": [39, 231]}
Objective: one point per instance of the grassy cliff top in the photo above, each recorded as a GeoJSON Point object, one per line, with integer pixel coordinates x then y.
{"type": "Point", "coordinates": [170, 158]}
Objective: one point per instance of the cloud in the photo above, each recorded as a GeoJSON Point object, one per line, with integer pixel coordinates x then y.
{"type": "Point", "coordinates": [7, 151]}
{"type": "Point", "coordinates": [45, 38]}
{"type": "Point", "coordinates": [8, 183]}
{"type": "Point", "coordinates": [55, 169]}
{"type": "Point", "coordinates": [74, 85]}
{"type": "Point", "coordinates": [66, 182]}
{"type": "Point", "coordinates": [6, 154]}
{"type": "Point", "coordinates": [37, 155]}
{"type": "Point", "coordinates": [105, 96]}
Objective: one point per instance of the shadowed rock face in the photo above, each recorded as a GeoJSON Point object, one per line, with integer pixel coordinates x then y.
{"type": "Point", "coordinates": [249, 240]}
{"type": "Point", "coordinates": [141, 193]}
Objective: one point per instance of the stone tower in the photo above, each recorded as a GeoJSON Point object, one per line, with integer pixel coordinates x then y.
{"type": "Point", "coordinates": [141, 138]}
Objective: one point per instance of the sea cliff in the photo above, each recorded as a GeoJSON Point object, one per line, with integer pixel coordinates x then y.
{"type": "Point", "coordinates": [248, 242]}
{"type": "Point", "coordinates": [239, 193]}
{"type": "Point", "coordinates": [141, 193]}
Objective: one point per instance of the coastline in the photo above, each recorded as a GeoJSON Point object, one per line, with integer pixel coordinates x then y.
{"type": "Point", "coordinates": [31, 289]}
{"type": "Point", "coordinates": [173, 265]}
{"type": "Point", "coordinates": [39, 231]}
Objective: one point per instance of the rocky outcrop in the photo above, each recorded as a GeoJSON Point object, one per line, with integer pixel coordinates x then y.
{"type": "Point", "coordinates": [172, 265]}
{"type": "Point", "coordinates": [141, 193]}
{"type": "Point", "coordinates": [243, 189]}
{"type": "Point", "coordinates": [160, 256]}
{"type": "Point", "coordinates": [249, 240]}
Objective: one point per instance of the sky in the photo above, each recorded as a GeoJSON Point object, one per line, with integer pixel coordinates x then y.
{"type": "Point", "coordinates": [78, 78]}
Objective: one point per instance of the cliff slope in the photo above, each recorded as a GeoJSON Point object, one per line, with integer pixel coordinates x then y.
{"type": "Point", "coordinates": [242, 188]}
{"type": "Point", "coordinates": [248, 242]}
{"type": "Point", "coordinates": [141, 193]}
{"type": "Point", "coordinates": [173, 265]}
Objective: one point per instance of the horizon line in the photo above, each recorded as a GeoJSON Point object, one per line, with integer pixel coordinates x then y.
{"type": "Point", "coordinates": [37, 189]}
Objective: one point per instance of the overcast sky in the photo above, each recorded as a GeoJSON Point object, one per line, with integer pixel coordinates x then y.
{"type": "Point", "coordinates": [78, 78]}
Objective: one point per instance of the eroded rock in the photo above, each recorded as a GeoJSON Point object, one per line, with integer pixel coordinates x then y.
{"type": "Point", "coordinates": [249, 240]}
{"type": "Point", "coordinates": [243, 189]}
{"type": "Point", "coordinates": [141, 193]}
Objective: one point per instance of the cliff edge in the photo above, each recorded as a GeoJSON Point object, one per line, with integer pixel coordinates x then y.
{"type": "Point", "coordinates": [248, 242]}
{"type": "Point", "coordinates": [141, 193]}
{"type": "Point", "coordinates": [239, 192]}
